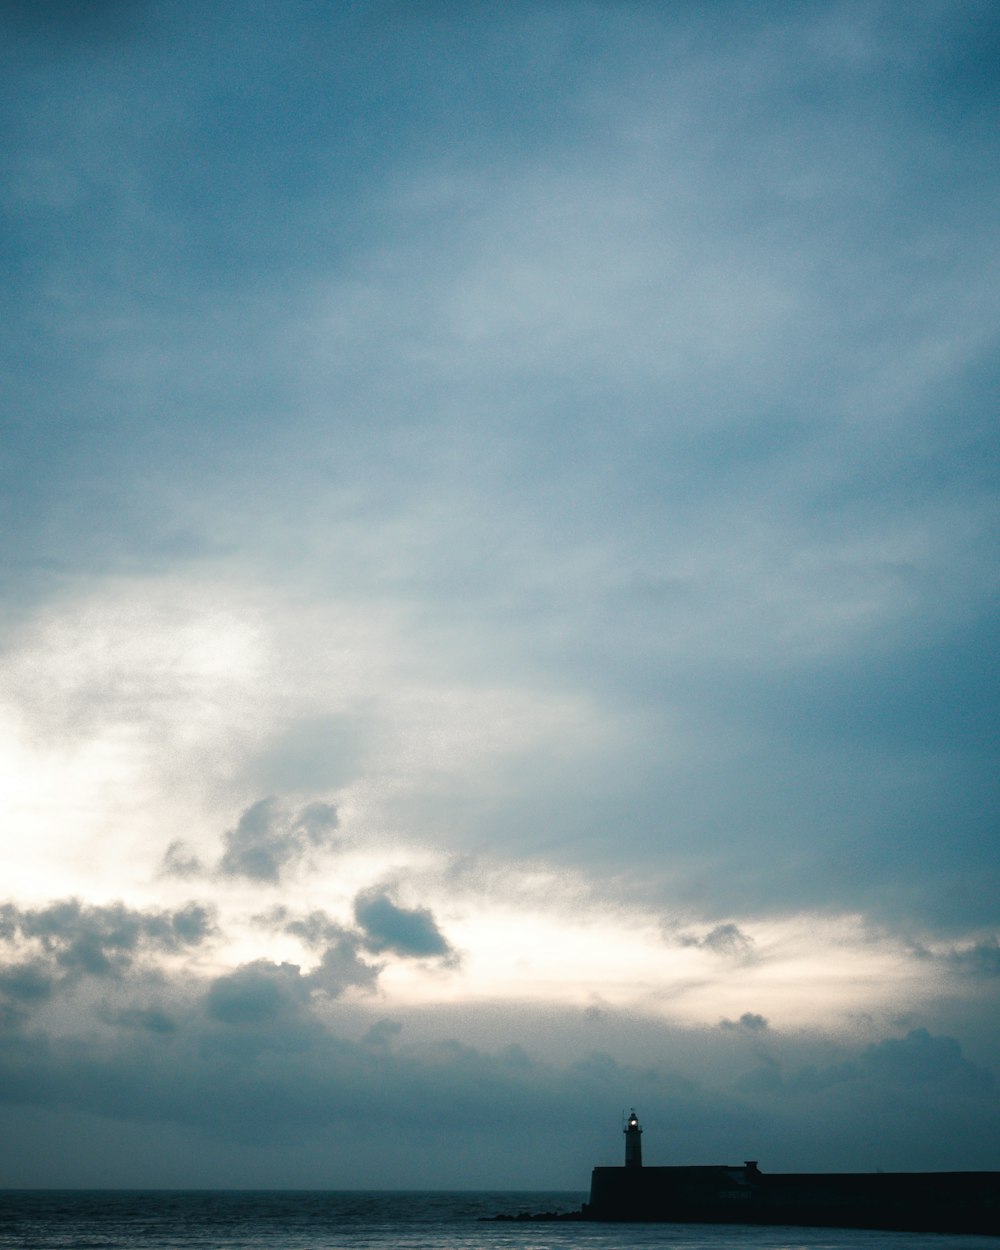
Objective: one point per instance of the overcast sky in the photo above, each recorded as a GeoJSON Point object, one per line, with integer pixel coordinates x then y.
{"type": "Point", "coordinates": [499, 589]}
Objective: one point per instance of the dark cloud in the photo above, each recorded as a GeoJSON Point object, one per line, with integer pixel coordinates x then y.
{"type": "Point", "coordinates": [920, 1058]}
{"type": "Point", "coordinates": [149, 1019]}
{"type": "Point", "coordinates": [81, 939]}
{"type": "Point", "coordinates": [58, 946]}
{"type": "Point", "coordinates": [179, 860]}
{"type": "Point", "coordinates": [872, 1102]}
{"type": "Point", "coordinates": [269, 838]}
{"type": "Point", "coordinates": [917, 1065]}
{"type": "Point", "coordinates": [252, 1064]}
{"type": "Point", "coordinates": [382, 1032]}
{"type": "Point", "coordinates": [383, 928]}
{"type": "Point", "coordinates": [982, 959]}
{"type": "Point", "coordinates": [192, 924]}
{"type": "Point", "coordinates": [259, 993]}
{"type": "Point", "coordinates": [749, 1022]}
{"type": "Point", "coordinates": [314, 930]}
{"type": "Point", "coordinates": [23, 986]}
{"type": "Point", "coordinates": [341, 965]}
{"type": "Point", "coordinates": [388, 927]}
{"type": "Point", "coordinates": [725, 939]}
{"type": "Point", "coordinates": [26, 982]}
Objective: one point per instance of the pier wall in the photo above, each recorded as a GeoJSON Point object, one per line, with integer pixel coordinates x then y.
{"type": "Point", "coordinates": [924, 1201]}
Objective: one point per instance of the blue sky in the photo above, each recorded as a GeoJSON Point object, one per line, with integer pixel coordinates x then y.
{"type": "Point", "coordinates": [499, 568]}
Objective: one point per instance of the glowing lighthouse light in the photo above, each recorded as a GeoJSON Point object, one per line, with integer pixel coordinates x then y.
{"type": "Point", "coordinates": [633, 1141]}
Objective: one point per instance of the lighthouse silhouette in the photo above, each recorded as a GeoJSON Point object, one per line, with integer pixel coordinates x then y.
{"type": "Point", "coordinates": [633, 1141]}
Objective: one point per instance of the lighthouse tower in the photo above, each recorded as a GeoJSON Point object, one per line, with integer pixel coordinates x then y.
{"type": "Point", "coordinates": [633, 1141]}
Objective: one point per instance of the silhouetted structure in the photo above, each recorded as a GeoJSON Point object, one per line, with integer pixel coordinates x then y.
{"type": "Point", "coordinates": [955, 1202]}
{"type": "Point", "coordinates": [633, 1142]}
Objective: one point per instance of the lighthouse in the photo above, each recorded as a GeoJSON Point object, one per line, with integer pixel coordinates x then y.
{"type": "Point", "coordinates": [633, 1141]}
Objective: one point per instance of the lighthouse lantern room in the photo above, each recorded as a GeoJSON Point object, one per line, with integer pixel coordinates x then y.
{"type": "Point", "coordinates": [633, 1141]}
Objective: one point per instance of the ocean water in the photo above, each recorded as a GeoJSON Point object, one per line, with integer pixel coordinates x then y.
{"type": "Point", "coordinates": [285, 1220]}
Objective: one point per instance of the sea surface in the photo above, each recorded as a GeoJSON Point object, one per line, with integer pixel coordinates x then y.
{"type": "Point", "coordinates": [312, 1220]}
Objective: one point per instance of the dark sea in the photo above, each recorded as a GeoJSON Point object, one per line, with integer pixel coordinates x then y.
{"type": "Point", "coordinates": [287, 1220]}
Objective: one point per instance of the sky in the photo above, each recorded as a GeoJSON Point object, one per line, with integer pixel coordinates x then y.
{"type": "Point", "coordinates": [498, 599]}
